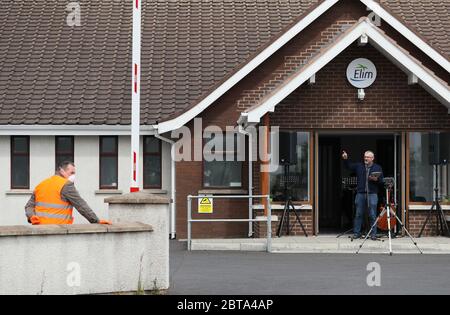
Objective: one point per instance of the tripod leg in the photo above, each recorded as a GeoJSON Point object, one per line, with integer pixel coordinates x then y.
{"type": "Point", "coordinates": [280, 226]}
{"type": "Point", "coordinates": [346, 232]}
{"type": "Point", "coordinates": [426, 220]}
{"type": "Point", "coordinates": [439, 227]}
{"type": "Point", "coordinates": [288, 225]}
{"type": "Point", "coordinates": [388, 218]}
{"type": "Point", "coordinates": [373, 225]}
{"type": "Point", "coordinates": [407, 232]}
{"type": "Point", "coordinates": [298, 219]}
{"type": "Point", "coordinates": [443, 221]}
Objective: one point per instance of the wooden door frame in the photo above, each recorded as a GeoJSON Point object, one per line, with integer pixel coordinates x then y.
{"type": "Point", "coordinates": [404, 172]}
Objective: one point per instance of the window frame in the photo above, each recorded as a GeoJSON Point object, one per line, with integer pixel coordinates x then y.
{"type": "Point", "coordinates": [310, 167]}
{"type": "Point", "coordinates": [13, 154]}
{"type": "Point", "coordinates": [409, 142]}
{"type": "Point", "coordinates": [114, 154]}
{"type": "Point", "coordinates": [224, 152]}
{"type": "Point", "coordinates": [149, 154]}
{"type": "Point", "coordinates": [58, 153]}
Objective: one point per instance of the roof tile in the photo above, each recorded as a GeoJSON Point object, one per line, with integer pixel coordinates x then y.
{"type": "Point", "coordinates": [50, 71]}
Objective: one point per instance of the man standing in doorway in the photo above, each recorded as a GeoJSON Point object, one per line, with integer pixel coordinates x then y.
{"type": "Point", "coordinates": [370, 176]}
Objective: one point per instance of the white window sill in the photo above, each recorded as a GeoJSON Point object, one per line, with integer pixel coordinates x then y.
{"type": "Point", "coordinates": [108, 192]}
{"type": "Point", "coordinates": [155, 191]}
{"type": "Point", "coordinates": [19, 192]}
{"type": "Point", "coordinates": [427, 207]}
{"type": "Point", "coordinates": [264, 218]}
{"type": "Point", "coordinates": [224, 191]}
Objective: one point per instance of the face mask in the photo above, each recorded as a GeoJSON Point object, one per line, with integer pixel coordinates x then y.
{"type": "Point", "coordinates": [72, 178]}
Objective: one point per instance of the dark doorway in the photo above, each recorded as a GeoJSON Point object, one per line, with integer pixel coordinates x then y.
{"type": "Point", "coordinates": [335, 198]}
{"type": "Point", "coordinates": [329, 183]}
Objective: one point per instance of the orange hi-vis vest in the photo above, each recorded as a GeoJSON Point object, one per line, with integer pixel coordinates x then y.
{"type": "Point", "coordinates": [49, 205]}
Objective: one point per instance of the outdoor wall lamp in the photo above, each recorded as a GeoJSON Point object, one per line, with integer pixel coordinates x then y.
{"type": "Point", "coordinates": [361, 94]}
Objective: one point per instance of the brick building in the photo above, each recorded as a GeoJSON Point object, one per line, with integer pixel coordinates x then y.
{"type": "Point", "coordinates": [245, 63]}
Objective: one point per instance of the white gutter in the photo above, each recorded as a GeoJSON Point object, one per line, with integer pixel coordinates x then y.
{"type": "Point", "coordinates": [72, 130]}
{"type": "Point", "coordinates": [173, 233]}
{"type": "Point", "coordinates": [250, 178]}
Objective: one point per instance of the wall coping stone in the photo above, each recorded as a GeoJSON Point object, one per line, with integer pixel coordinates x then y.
{"type": "Point", "coordinates": [138, 198]}
{"type": "Point", "coordinates": [34, 230]}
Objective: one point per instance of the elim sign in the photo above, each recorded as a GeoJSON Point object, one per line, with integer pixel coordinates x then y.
{"type": "Point", "coordinates": [361, 73]}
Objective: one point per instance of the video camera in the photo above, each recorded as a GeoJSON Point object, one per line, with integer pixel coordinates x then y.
{"type": "Point", "coordinates": [389, 182]}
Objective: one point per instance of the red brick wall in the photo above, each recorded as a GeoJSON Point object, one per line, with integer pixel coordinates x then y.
{"type": "Point", "coordinates": [189, 181]}
{"type": "Point", "coordinates": [306, 216]}
{"type": "Point", "coordinates": [390, 103]}
{"type": "Point", "coordinates": [329, 104]}
{"type": "Point", "coordinates": [416, 220]}
{"type": "Point", "coordinates": [297, 57]}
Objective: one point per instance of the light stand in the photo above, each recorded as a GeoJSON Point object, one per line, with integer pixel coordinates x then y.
{"type": "Point", "coordinates": [441, 223]}
{"type": "Point", "coordinates": [389, 183]}
{"type": "Point", "coordinates": [288, 206]}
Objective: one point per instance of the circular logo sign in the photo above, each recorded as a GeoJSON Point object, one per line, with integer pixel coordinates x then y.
{"type": "Point", "coordinates": [361, 73]}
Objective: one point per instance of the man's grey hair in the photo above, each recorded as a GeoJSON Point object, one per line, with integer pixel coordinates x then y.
{"type": "Point", "coordinates": [369, 152]}
{"type": "Point", "coordinates": [63, 165]}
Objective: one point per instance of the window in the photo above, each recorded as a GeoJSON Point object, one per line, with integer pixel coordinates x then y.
{"type": "Point", "coordinates": [64, 149]}
{"type": "Point", "coordinates": [152, 162]}
{"type": "Point", "coordinates": [20, 162]}
{"type": "Point", "coordinates": [221, 167]}
{"type": "Point", "coordinates": [108, 162]}
{"type": "Point", "coordinates": [299, 177]}
{"type": "Point", "coordinates": [421, 173]}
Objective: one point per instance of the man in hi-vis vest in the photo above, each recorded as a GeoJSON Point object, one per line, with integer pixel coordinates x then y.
{"type": "Point", "coordinates": [54, 198]}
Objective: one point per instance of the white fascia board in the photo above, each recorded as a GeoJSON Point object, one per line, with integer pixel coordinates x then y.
{"type": "Point", "coordinates": [184, 118]}
{"type": "Point", "coordinates": [439, 89]}
{"type": "Point", "coordinates": [436, 87]}
{"type": "Point", "coordinates": [256, 114]}
{"type": "Point", "coordinates": [71, 130]}
{"type": "Point", "coordinates": [410, 35]}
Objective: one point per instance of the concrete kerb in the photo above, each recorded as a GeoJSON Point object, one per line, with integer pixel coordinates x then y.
{"type": "Point", "coordinates": [326, 244]}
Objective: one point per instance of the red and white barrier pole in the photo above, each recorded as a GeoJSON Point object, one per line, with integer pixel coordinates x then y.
{"type": "Point", "coordinates": [135, 95]}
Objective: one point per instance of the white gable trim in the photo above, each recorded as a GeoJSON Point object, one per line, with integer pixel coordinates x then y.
{"type": "Point", "coordinates": [434, 85]}
{"type": "Point", "coordinates": [71, 130]}
{"type": "Point", "coordinates": [190, 114]}
{"type": "Point", "coordinates": [185, 117]}
{"type": "Point", "coordinates": [410, 35]}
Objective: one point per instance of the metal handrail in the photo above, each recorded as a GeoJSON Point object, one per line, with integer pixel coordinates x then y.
{"type": "Point", "coordinates": [268, 220]}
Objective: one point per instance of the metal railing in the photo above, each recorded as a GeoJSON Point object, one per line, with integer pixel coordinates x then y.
{"type": "Point", "coordinates": [268, 220]}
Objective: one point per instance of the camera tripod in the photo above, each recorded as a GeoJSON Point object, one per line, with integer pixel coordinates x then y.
{"type": "Point", "coordinates": [388, 210]}
{"type": "Point", "coordinates": [441, 223]}
{"type": "Point", "coordinates": [288, 205]}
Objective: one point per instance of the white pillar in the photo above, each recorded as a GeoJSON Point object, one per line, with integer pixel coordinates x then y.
{"type": "Point", "coordinates": [135, 95]}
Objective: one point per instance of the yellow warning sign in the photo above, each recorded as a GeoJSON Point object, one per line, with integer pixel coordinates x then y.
{"type": "Point", "coordinates": [205, 205]}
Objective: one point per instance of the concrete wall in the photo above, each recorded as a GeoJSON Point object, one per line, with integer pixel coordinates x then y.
{"type": "Point", "coordinates": [42, 163]}
{"type": "Point", "coordinates": [81, 259]}
{"type": "Point", "coordinates": [152, 210]}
